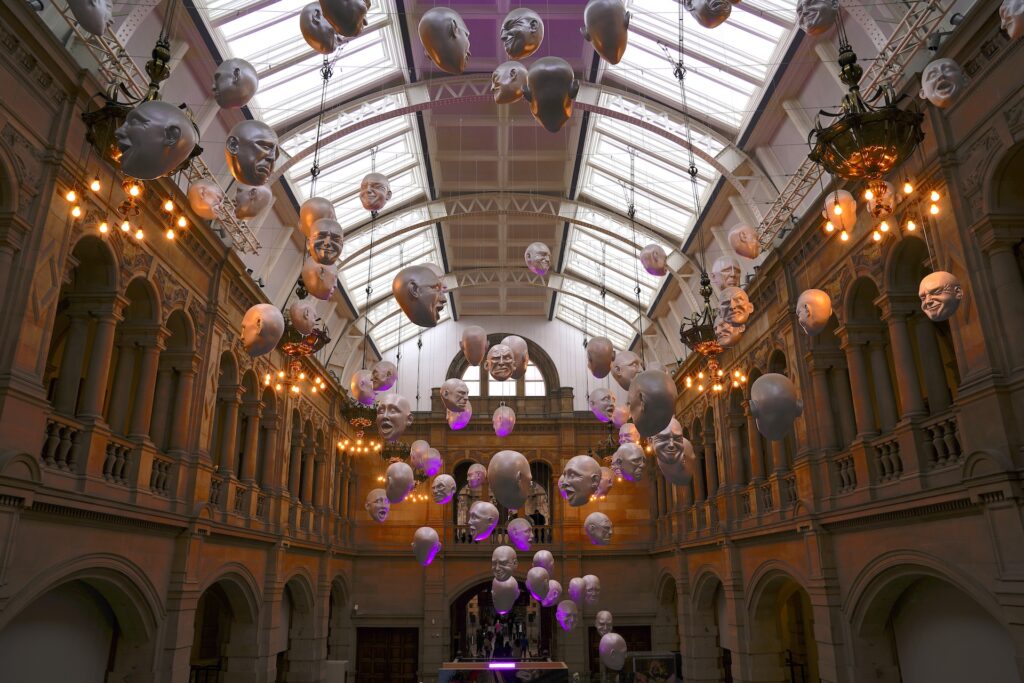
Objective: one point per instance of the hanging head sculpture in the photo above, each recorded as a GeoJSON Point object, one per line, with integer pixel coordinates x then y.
{"type": "Point", "coordinates": [316, 30]}
{"type": "Point", "coordinates": [419, 292]}
{"type": "Point", "coordinates": [374, 191]}
{"type": "Point", "coordinates": [417, 451]}
{"type": "Point", "coordinates": [204, 196]}
{"type": "Point", "coordinates": [709, 13]}
{"type": "Point", "coordinates": [554, 594]}
{"type": "Point", "coordinates": [734, 306]}
{"type": "Point", "coordinates": [501, 362]}
{"type": "Point", "coordinates": [606, 483]}
{"type": "Point", "coordinates": [507, 82]}
{"type": "Point", "coordinates": [815, 17]}
{"type": "Point", "coordinates": [250, 200]}
{"type": "Point", "coordinates": [620, 415]}
{"type": "Point", "coordinates": [474, 344]}
{"type": "Point", "coordinates": [326, 240]}
{"type": "Point", "coordinates": [606, 26]}
{"type": "Point", "coordinates": [377, 505]}
{"type": "Point", "coordinates": [728, 334]}
{"type": "Point", "coordinates": [774, 405]}
{"type": "Point", "coordinates": [234, 83]}
{"type": "Point", "coordinates": [625, 367]}
{"type": "Point", "coordinates": [538, 258]}
{"type": "Point", "coordinates": [432, 462]}
{"type": "Point", "coordinates": [445, 39]}
{"type": "Point", "coordinates": [941, 294]}
{"type": "Point", "coordinates": [628, 434]}
{"type": "Point", "coordinates": [567, 614]}
{"type": "Point", "coordinates": [654, 260]}
{"type": "Point", "coordinates": [743, 240]}
{"type": "Point", "coordinates": [580, 479]}
{"type": "Point", "coordinates": [603, 622]}
{"type": "Point", "coordinates": [504, 594]}
{"type": "Point", "coordinates": [600, 354]}
{"type": "Point", "coordinates": [576, 589]}
{"type": "Point", "coordinates": [840, 209]}
{"type": "Point", "coordinates": [652, 400]}
{"type": "Point", "coordinates": [509, 478]}
{"type": "Point", "coordinates": [361, 387]}
{"type": "Point", "coordinates": [591, 589]}
{"type": "Point", "coordinates": [385, 374]}
{"type": "Point", "coordinates": [538, 580]}
{"type": "Point", "coordinates": [602, 403]}
{"type": "Point", "coordinates": [503, 420]}
{"type": "Point", "coordinates": [504, 562]}
{"type": "Point", "coordinates": [813, 310]}
{"type": "Point", "coordinates": [94, 16]}
{"type": "Point", "coordinates": [318, 279]}
{"type": "Point", "coordinates": [476, 475]}
{"type": "Point", "coordinates": [459, 419]}
{"type": "Point", "coordinates": [726, 271]}
{"type": "Point", "coordinates": [302, 316]}
{"type": "Point", "coordinates": [598, 527]}
{"type": "Point", "coordinates": [612, 650]}
{"type": "Point", "coordinates": [262, 327]}
{"type": "Point", "coordinates": [348, 17]}
{"type": "Point", "coordinates": [394, 416]}
{"type": "Point", "coordinates": [443, 488]}
{"type": "Point", "coordinates": [483, 517]}
{"type": "Point", "coordinates": [1011, 18]}
{"type": "Point", "coordinates": [519, 533]}
{"type": "Point", "coordinates": [454, 394]}
{"type": "Point", "coordinates": [550, 89]}
{"type": "Point", "coordinates": [522, 32]}
{"type": "Point", "coordinates": [942, 81]}
{"type": "Point", "coordinates": [629, 461]}
{"type": "Point", "coordinates": [251, 150]}
{"type": "Point", "coordinates": [312, 210]}
{"type": "Point", "coordinates": [155, 139]}
{"type": "Point", "coordinates": [400, 480]}
{"type": "Point", "coordinates": [520, 354]}
{"type": "Point", "coordinates": [425, 545]}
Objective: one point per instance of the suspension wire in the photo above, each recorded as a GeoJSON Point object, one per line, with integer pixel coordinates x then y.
{"type": "Point", "coordinates": [631, 212]}
{"type": "Point", "coordinates": [398, 353]}
{"type": "Point", "coordinates": [326, 71]}
{"type": "Point", "coordinates": [369, 290]}
{"type": "Point", "coordinates": [419, 360]}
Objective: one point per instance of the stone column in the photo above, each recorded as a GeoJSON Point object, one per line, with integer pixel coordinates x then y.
{"type": "Point", "coordinates": [319, 468]}
{"type": "Point", "coordinates": [120, 390]}
{"type": "Point", "coordinates": [859, 386]}
{"type": "Point", "coordinates": [142, 411]}
{"type": "Point", "coordinates": [99, 362]}
{"type": "Point", "coordinates": [844, 404]}
{"type": "Point", "coordinates": [931, 364]}
{"type": "Point", "coordinates": [778, 449]}
{"type": "Point", "coordinates": [883, 386]}
{"type": "Point", "coordinates": [229, 436]}
{"type": "Point", "coordinates": [907, 381]}
{"type": "Point", "coordinates": [295, 465]}
{"type": "Point", "coordinates": [998, 236]}
{"type": "Point", "coordinates": [699, 494]}
{"type": "Point", "coordinates": [823, 407]}
{"type": "Point", "coordinates": [270, 456]}
{"type": "Point", "coordinates": [754, 445]}
{"type": "Point", "coordinates": [307, 473]}
{"type": "Point", "coordinates": [161, 405]}
{"type": "Point", "coordinates": [252, 433]}
{"type": "Point", "coordinates": [65, 394]}
{"type": "Point", "coordinates": [734, 462]}
{"type": "Point", "coordinates": [711, 463]}
{"type": "Point", "coordinates": [178, 438]}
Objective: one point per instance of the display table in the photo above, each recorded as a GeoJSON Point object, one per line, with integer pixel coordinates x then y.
{"type": "Point", "coordinates": [503, 672]}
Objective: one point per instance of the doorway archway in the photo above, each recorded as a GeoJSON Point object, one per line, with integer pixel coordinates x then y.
{"type": "Point", "coordinates": [478, 632]}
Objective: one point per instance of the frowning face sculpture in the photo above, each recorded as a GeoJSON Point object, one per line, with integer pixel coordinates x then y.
{"type": "Point", "coordinates": [940, 294]}
{"type": "Point", "coordinates": [92, 15]}
{"type": "Point", "coordinates": [507, 82]}
{"type": "Point", "coordinates": [374, 191]}
{"type": "Point", "coordinates": [600, 354]}
{"type": "Point", "coordinates": [509, 477]}
{"type": "Point", "coordinates": [234, 83]}
{"type": "Point", "coordinates": [500, 362]}
{"type": "Point", "coordinates": [606, 25]}
{"type": "Point", "coordinates": [155, 138]}
{"type": "Point", "coordinates": [728, 334]}
{"type": "Point", "coordinates": [625, 367]}
{"type": "Point", "coordinates": [774, 405]}
{"type": "Point", "coordinates": [400, 480]}
{"type": "Point", "coordinates": [420, 294]}
{"type": "Point", "coordinates": [602, 403]}
{"type": "Point", "coordinates": [520, 354]}
{"type": "Point", "coordinates": [302, 315]}
{"type": "Point", "coordinates": [394, 415]}
{"type": "Point", "coordinates": [654, 260]}
{"type": "Point", "coordinates": [250, 200]}
{"type": "Point", "coordinates": [726, 270]}
{"type": "Point", "coordinates": [629, 461]}
{"type": "Point", "coordinates": [319, 280]}
{"type": "Point", "coordinates": [474, 344]}
{"type": "Point", "coordinates": [598, 528]}
{"type": "Point", "coordinates": [580, 479]}
{"type": "Point", "coordinates": [262, 327]}
{"type": "Point", "coordinates": [425, 545]}
{"type": "Point", "coordinates": [483, 517]}
{"type": "Point", "coordinates": [443, 488]}
{"type": "Point", "coordinates": [519, 532]}
{"type": "Point", "coordinates": [454, 394]}
{"type": "Point", "coordinates": [628, 434]}
{"type": "Point", "coordinates": [709, 13]}
{"type": "Point", "coordinates": [813, 310]}
{"type": "Point", "coordinates": [538, 258]}
{"type": "Point", "coordinates": [361, 387]}
{"type": "Point", "coordinates": [522, 32]}
{"type": "Point", "coordinates": [567, 614]}
{"type": "Point", "coordinates": [204, 196]}
{"type": "Point", "coordinates": [312, 210]}
{"type": "Point", "coordinates": [735, 306]}
{"type": "Point", "coordinates": [942, 81]}
{"type": "Point", "coordinates": [550, 89]}
{"type": "Point", "coordinates": [251, 150]}
{"type": "Point", "coordinates": [348, 17]}
{"type": "Point", "coordinates": [652, 399]}
{"type": "Point", "coordinates": [743, 240]}
{"type": "Point", "coordinates": [316, 31]}
{"type": "Point", "coordinates": [377, 505]}
{"type": "Point", "coordinates": [445, 39]}
{"type": "Point", "coordinates": [385, 374]}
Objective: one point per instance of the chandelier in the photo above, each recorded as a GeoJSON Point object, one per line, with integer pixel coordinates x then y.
{"type": "Point", "coordinates": [294, 379]}
{"type": "Point", "coordinates": [296, 344]}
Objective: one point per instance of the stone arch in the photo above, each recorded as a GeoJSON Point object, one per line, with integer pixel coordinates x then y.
{"type": "Point", "coordinates": [182, 331]}
{"type": "Point", "coordinates": [300, 659]}
{"type": "Point", "coordinates": [781, 624]}
{"type": "Point", "coordinates": [665, 629]}
{"type": "Point", "coordinates": [339, 619]}
{"type": "Point", "coordinates": [906, 264]}
{"type": "Point", "coordinates": [92, 257]}
{"type": "Point", "coordinates": [143, 302]}
{"type": "Point", "coordinates": [226, 629]}
{"type": "Point", "coordinates": [538, 356]}
{"type": "Point", "coordinates": [20, 465]}
{"type": "Point", "coordinates": [1001, 193]}
{"type": "Point", "coordinates": [301, 581]}
{"type": "Point", "coordinates": [712, 653]}
{"type": "Point", "coordinates": [241, 588]}
{"type": "Point", "coordinates": [859, 306]}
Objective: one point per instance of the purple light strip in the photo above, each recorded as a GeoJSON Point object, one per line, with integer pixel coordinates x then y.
{"type": "Point", "coordinates": [501, 665]}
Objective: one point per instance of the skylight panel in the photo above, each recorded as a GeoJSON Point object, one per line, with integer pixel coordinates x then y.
{"type": "Point", "coordinates": [649, 112]}
{"type": "Point", "coordinates": [618, 332]}
{"type": "Point", "coordinates": [385, 226]}
{"type": "Point", "coordinates": [419, 247]}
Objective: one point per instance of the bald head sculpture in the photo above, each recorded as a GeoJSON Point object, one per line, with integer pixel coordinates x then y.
{"type": "Point", "coordinates": [155, 139]}
{"type": "Point", "coordinates": [348, 17]}
{"type": "Point", "coordinates": [251, 150]}
{"type": "Point", "coordinates": [394, 416]}
{"type": "Point", "coordinates": [606, 26]}
{"type": "Point", "coordinates": [551, 87]}
{"type": "Point", "coordinates": [374, 191]}
{"type": "Point", "coordinates": [445, 39]}
{"type": "Point", "coordinates": [522, 32]}
{"type": "Point", "coordinates": [420, 295]}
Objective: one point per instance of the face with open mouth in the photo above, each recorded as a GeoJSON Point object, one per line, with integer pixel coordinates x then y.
{"type": "Point", "coordinates": [155, 138]}
{"type": "Point", "coordinates": [378, 505]}
{"type": "Point", "coordinates": [394, 415]}
{"type": "Point", "coordinates": [483, 517]}
{"type": "Point", "coordinates": [942, 81]}
{"type": "Point", "coordinates": [602, 403]}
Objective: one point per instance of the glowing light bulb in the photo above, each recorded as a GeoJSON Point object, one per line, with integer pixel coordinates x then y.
{"type": "Point", "coordinates": [743, 378]}
{"type": "Point", "coordinates": [935, 196]}
{"type": "Point", "coordinates": [168, 206]}
{"type": "Point", "coordinates": [313, 390]}
{"type": "Point", "coordinates": [76, 211]}
{"type": "Point", "coordinates": [182, 222]}
{"type": "Point", "coordinates": [295, 389]}
{"type": "Point", "coordinates": [837, 210]}
{"type": "Point", "coordinates": [844, 236]}
{"type": "Point", "coordinates": [721, 373]}
{"type": "Point", "coordinates": [884, 226]}
{"type": "Point", "coordinates": [280, 373]}
{"type": "Point", "coordinates": [138, 234]}
{"type": "Point", "coordinates": [71, 195]}
{"type": "Point", "coordinates": [169, 234]}
{"type": "Point", "coordinates": [277, 387]}
{"type": "Point", "coordinates": [830, 227]}
{"type": "Point", "coordinates": [735, 384]}
{"type": "Point", "coordinates": [736, 374]}
{"type": "Point", "coordinates": [302, 375]}
{"type": "Point", "coordinates": [700, 387]}
{"type": "Point", "coordinates": [126, 226]}
{"type": "Point", "coordinates": [700, 375]}
{"type": "Point", "coordinates": [267, 377]}
{"type": "Point", "coordinates": [911, 226]}
{"type": "Point", "coordinates": [934, 209]}
{"type": "Point", "coordinates": [134, 190]}
{"type": "Point", "coordinates": [104, 228]}
{"type": "Point", "coordinates": [869, 195]}
{"type": "Point", "coordinates": [876, 236]}
{"type": "Point", "coordinates": [266, 382]}
{"type": "Point", "coordinates": [95, 185]}
{"type": "Point", "coordinates": [907, 187]}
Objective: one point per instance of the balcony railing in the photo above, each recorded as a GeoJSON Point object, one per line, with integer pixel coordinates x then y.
{"type": "Point", "coordinates": [542, 535]}
{"type": "Point", "coordinates": [117, 465]}
{"type": "Point", "coordinates": [61, 446]}
{"type": "Point", "coordinates": [162, 475]}
{"type": "Point", "coordinates": [942, 441]}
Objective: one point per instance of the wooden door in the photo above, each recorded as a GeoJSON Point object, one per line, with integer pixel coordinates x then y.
{"type": "Point", "coordinates": [387, 655]}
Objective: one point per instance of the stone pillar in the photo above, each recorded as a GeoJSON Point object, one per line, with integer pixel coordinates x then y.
{"type": "Point", "coordinates": [99, 362]}
{"type": "Point", "coordinates": [120, 390]}
{"type": "Point", "coordinates": [308, 454]}
{"type": "Point", "coordinates": [142, 411]}
{"type": "Point", "coordinates": [270, 456]}
{"type": "Point", "coordinates": [884, 398]}
{"type": "Point", "coordinates": [65, 395]}
{"type": "Point", "coordinates": [734, 462]}
{"type": "Point", "coordinates": [178, 438]}
{"type": "Point", "coordinates": [823, 407]}
{"type": "Point", "coordinates": [754, 445]}
{"type": "Point", "coordinates": [907, 382]}
{"type": "Point", "coordinates": [998, 236]}
{"type": "Point", "coordinates": [229, 436]}
{"type": "Point", "coordinates": [252, 433]}
{"type": "Point", "coordinates": [778, 449]}
{"type": "Point", "coordinates": [859, 386]}
{"type": "Point", "coordinates": [844, 404]}
{"type": "Point", "coordinates": [699, 494]}
{"type": "Point", "coordinates": [711, 463]}
{"type": "Point", "coordinates": [319, 469]}
{"type": "Point", "coordinates": [932, 368]}
{"type": "Point", "coordinates": [161, 405]}
{"type": "Point", "coordinates": [295, 465]}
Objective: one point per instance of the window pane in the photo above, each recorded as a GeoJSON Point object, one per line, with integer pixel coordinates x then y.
{"type": "Point", "coordinates": [506, 388]}
{"type": "Point", "coordinates": [533, 381]}
{"type": "Point", "coordinates": [472, 379]}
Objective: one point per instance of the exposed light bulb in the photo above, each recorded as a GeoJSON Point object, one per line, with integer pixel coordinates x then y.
{"type": "Point", "coordinates": [736, 374]}
{"type": "Point", "coordinates": [277, 387]}
{"type": "Point", "coordinates": [837, 210]}
{"type": "Point", "coordinates": [721, 373]}
{"type": "Point", "coordinates": [934, 209]}
{"type": "Point", "coordinates": [170, 233]}
{"type": "Point", "coordinates": [168, 206]}
{"type": "Point", "coordinates": [134, 190]}
{"type": "Point", "coordinates": [313, 390]}
{"type": "Point", "coordinates": [138, 234]}
{"type": "Point", "coordinates": [743, 378]}
{"type": "Point", "coordinates": [735, 384]}
{"type": "Point", "coordinates": [884, 226]}
{"type": "Point", "coordinates": [844, 236]}
{"type": "Point", "coordinates": [126, 226]}
{"type": "Point", "coordinates": [302, 375]}
{"type": "Point", "coordinates": [911, 226]}
{"type": "Point", "coordinates": [869, 195]}
{"type": "Point", "coordinates": [935, 196]}
{"type": "Point", "coordinates": [76, 211]}
{"type": "Point", "coordinates": [280, 373]}
{"type": "Point", "coordinates": [907, 187]}
{"type": "Point", "coordinates": [182, 222]}
{"type": "Point", "coordinates": [830, 227]}
{"type": "Point", "coordinates": [104, 228]}
{"type": "Point", "coordinates": [95, 184]}
{"type": "Point", "coordinates": [876, 236]}
{"type": "Point", "coordinates": [700, 387]}
{"type": "Point", "coordinates": [700, 375]}
{"type": "Point", "coordinates": [295, 389]}
{"type": "Point", "coordinates": [71, 195]}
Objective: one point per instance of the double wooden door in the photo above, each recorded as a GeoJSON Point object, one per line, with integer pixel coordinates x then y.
{"type": "Point", "coordinates": [387, 655]}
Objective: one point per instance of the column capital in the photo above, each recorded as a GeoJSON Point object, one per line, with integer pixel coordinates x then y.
{"type": "Point", "coordinates": [855, 334]}
{"type": "Point", "coordinates": [231, 394]}
{"type": "Point", "coordinates": [820, 360]}
{"type": "Point", "coordinates": [997, 232]}
{"type": "Point", "coordinates": [185, 362]}
{"type": "Point", "coordinates": [898, 305]}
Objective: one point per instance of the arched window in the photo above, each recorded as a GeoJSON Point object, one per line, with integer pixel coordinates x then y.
{"type": "Point", "coordinates": [481, 384]}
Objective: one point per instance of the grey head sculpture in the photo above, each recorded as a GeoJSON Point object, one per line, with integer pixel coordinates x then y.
{"type": "Point", "coordinates": [813, 310]}
{"type": "Point", "coordinates": [420, 294]}
{"type": "Point", "coordinates": [250, 200]}
{"type": "Point", "coordinates": [454, 394]}
{"type": "Point", "coordinates": [509, 478]}
{"type": "Point", "coordinates": [204, 196]}
{"type": "Point", "coordinates": [302, 315]}
{"type": "Point", "coordinates": [361, 387]}
{"type": "Point", "coordinates": [743, 240]}
{"type": "Point", "coordinates": [312, 210]}
{"type": "Point", "coordinates": [815, 17]}
{"type": "Point", "coordinates": [606, 483]}
{"type": "Point", "coordinates": [348, 17]}
{"type": "Point", "coordinates": [374, 191]}
{"type": "Point", "coordinates": [538, 258]}
{"type": "Point", "coordinates": [504, 594]}
{"type": "Point", "coordinates": [234, 83]}
{"type": "Point", "coordinates": [399, 481]}
{"type": "Point", "coordinates": [394, 416]}
{"type": "Point", "coordinates": [262, 327]}
{"type": "Point", "coordinates": [251, 150]}
{"type": "Point", "coordinates": [155, 139]}
{"type": "Point", "coordinates": [425, 545]}
{"type": "Point", "coordinates": [602, 403]}
{"type": "Point", "coordinates": [504, 562]}
{"type": "Point", "coordinates": [580, 479]}
{"type": "Point", "coordinates": [577, 587]}
{"type": "Point", "coordinates": [544, 558]}
{"type": "Point", "coordinates": [326, 241]}
{"type": "Point", "coordinates": [628, 434]}
{"type": "Point", "coordinates": [591, 589]}
{"type": "Point", "coordinates": [522, 32]}
{"type": "Point", "coordinates": [554, 594]}
{"type": "Point", "coordinates": [629, 461]}
{"type": "Point", "coordinates": [507, 82]}
{"type": "Point", "coordinates": [432, 462]}
{"type": "Point", "coordinates": [652, 400]}
{"type": "Point", "coordinates": [319, 280]}
{"type": "Point", "coordinates": [520, 532]}
{"type": "Point", "coordinates": [942, 81]}
{"type": "Point", "coordinates": [94, 16]}
{"type": "Point", "coordinates": [606, 26]}
{"type": "Point", "coordinates": [520, 354]}
{"type": "Point", "coordinates": [670, 446]}
{"type": "Point", "coordinates": [598, 527]}
{"type": "Point", "coordinates": [620, 415]}
{"type": "Point", "coordinates": [726, 271]}
{"type": "Point", "coordinates": [625, 367]}
{"type": "Point", "coordinates": [445, 39]}
{"type": "Point", "coordinates": [483, 517]}
{"type": "Point", "coordinates": [443, 488]}
{"type": "Point", "coordinates": [567, 613]}
{"type": "Point", "coordinates": [377, 505]}
{"type": "Point", "coordinates": [774, 405]}
{"type": "Point", "coordinates": [603, 622]}
{"type": "Point", "coordinates": [679, 474]}
{"type": "Point", "coordinates": [501, 362]}
{"type": "Point", "coordinates": [654, 260]}
{"type": "Point", "coordinates": [417, 452]}
{"type": "Point", "coordinates": [475, 475]}
{"type": "Point", "coordinates": [600, 354]}
{"type": "Point", "coordinates": [459, 419]}
{"type": "Point", "coordinates": [537, 582]}
{"type": "Point", "coordinates": [940, 293]}
{"type": "Point", "coordinates": [503, 420]}
{"type": "Point", "coordinates": [385, 374]}
{"type": "Point", "coordinates": [612, 650]}
{"type": "Point", "coordinates": [727, 334]}
{"type": "Point", "coordinates": [550, 89]}
{"type": "Point", "coordinates": [316, 30]}
{"type": "Point", "coordinates": [709, 13]}
{"type": "Point", "coordinates": [474, 344]}
{"type": "Point", "coordinates": [734, 306]}
{"type": "Point", "coordinates": [1011, 18]}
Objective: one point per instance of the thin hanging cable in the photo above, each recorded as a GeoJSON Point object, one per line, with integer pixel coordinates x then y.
{"type": "Point", "coordinates": [419, 360]}
{"type": "Point", "coordinates": [398, 353]}
{"type": "Point", "coordinates": [369, 289]}
{"type": "Point", "coordinates": [326, 71]}
{"type": "Point", "coordinates": [631, 212]}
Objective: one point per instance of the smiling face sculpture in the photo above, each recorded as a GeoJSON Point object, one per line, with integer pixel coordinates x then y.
{"type": "Point", "coordinates": [262, 327]}
{"type": "Point", "coordinates": [522, 32]}
{"type": "Point", "coordinates": [204, 196]}
{"type": "Point", "coordinates": [567, 614]}
{"type": "Point", "coordinates": [509, 478]}
{"type": "Point", "coordinates": [602, 403]}
{"type": "Point", "coordinates": [580, 479]}
{"type": "Point", "coordinates": [606, 26]}
{"type": "Point", "coordinates": [302, 315]}
{"type": "Point", "coordinates": [377, 505]}
{"type": "Point", "coordinates": [519, 532]}
{"type": "Point", "coordinates": [603, 622]}
{"type": "Point", "coordinates": [628, 434]}
{"type": "Point", "coordinates": [316, 30]}
{"type": "Point", "coordinates": [385, 374]}
{"type": "Point", "coordinates": [318, 279]}
{"type": "Point", "coordinates": [538, 258]}
{"type": "Point", "coordinates": [501, 362]}
{"type": "Point", "coordinates": [94, 16]}
{"type": "Point", "coordinates": [625, 367]}
{"type": "Point", "coordinates": [652, 400]}
{"type": "Point", "coordinates": [813, 310]}
{"type": "Point", "coordinates": [591, 589]}
{"type": "Point", "coordinates": [420, 294]}
{"type": "Point", "coordinates": [374, 191]}
{"type": "Point", "coordinates": [155, 139]}
{"type": "Point", "coordinates": [942, 81]}
{"type": "Point", "coordinates": [348, 17]}
{"type": "Point", "coordinates": [454, 394]}
{"type": "Point", "coordinates": [483, 517]}
{"type": "Point", "coordinates": [504, 562]}
{"type": "Point", "coordinates": [425, 545]}
{"type": "Point", "coordinates": [654, 260]}
{"type": "Point", "coordinates": [445, 39]}
{"type": "Point", "coordinates": [670, 446]}
{"type": "Point", "coordinates": [394, 416]}
{"type": "Point", "coordinates": [598, 528]}
{"type": "Point", "coordinates": [735, 306]}
{"type": "Point", "coordinates": [251, 150]}
{"type": "Point", "coordinates": [251, 200]}
{"type": "Point", "coordinates": [443, 488]}
{"type": "Point", "coordinates": [743, 240]}
{"type": "Point", "coordinates": [326, 241]}
{"type": "Point", "coordinates": [600, 354]}
{"type": "Point", "coordinates": [550, 89]}
{"type": "Point", "coordinates": [474, 344]}
{"type": "Point", "coordinates": [941, 294]}
{"type": "Point", "coordinates": [361, 387]}
{"type": "Point", "coordinates": [629, 461]}
{"type": "Point", "coordinates": [234, 83]}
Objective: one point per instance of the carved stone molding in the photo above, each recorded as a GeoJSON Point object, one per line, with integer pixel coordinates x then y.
{"type": "Point", "coordinates": [51, 91]}
{"type": "Point", "coordinates": [173, 294]}
{"type": "Point", "coordinates": [29, 168]}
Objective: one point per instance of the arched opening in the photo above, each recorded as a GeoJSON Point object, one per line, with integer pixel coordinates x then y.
{"type": "Point", "coordinates": [293, 645]}
{"type": "Point", "coordinates": [225, 416]}
{"type": "Point", "coordinates": [132, 377]}
{"type": "Point", "coordinates": [175, 379]}
{"type": "Point", "coordinates": [540, 380]}
{"type": "Point", "coordinates": [1009, 178]}
{"type": "Point", "coordinates": [339, 623]}
{"type": "Point", "coordinates": [782, 643]}
{"type": "Point", "coordinates": [224, 637]}
{"type": "Point", "coordinates": [869, 359]}
{"type": "Point", "coordinates": [479, 632]}
{"type": "Point", "coordinates": [710, 646]}
{"type": "Point", "coordinates": [665, 629]}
